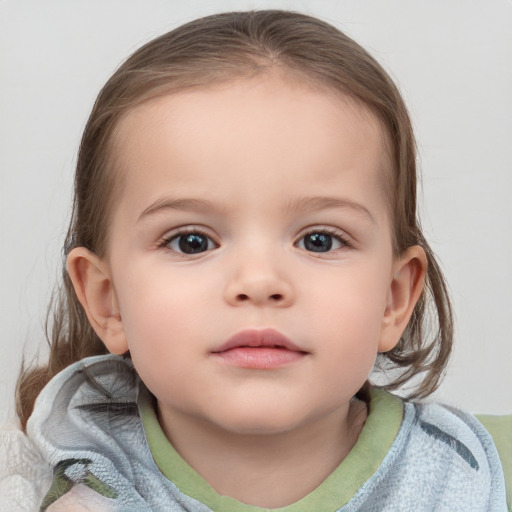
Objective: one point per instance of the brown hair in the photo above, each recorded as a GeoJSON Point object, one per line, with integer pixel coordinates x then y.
{"type": "Point", "coordinates": [218, 48]}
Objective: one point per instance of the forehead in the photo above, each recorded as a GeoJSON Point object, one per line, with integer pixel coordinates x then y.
{"type": "Point", "coordinates": [235, 132]}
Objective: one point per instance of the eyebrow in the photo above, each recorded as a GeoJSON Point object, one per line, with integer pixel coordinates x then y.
{"type": "Point", "coordinates": [166, 204]}
{"type": "Point", "coordinates": [310, 204]}
{"type": "Point", "coordinates": [318, 203]}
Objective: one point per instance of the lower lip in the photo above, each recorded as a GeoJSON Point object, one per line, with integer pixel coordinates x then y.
{"type": "Point", "coordinates": [261, 358]}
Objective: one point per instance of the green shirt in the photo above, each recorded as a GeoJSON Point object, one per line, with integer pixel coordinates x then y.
{"type": "Point", "coordinates": [360, 464]}
{"type": "Point", "coordinates": [373, 444]}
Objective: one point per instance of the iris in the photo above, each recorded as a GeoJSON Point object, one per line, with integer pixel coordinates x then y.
{"type": "Point", "coordinates": [318, 242]}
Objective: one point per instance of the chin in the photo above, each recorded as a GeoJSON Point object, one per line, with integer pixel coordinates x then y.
{"type": "Point", "coordinates": [260, 422]}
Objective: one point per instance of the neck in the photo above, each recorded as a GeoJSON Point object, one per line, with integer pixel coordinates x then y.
{"type": "Point", "coordinates": [263, 470]}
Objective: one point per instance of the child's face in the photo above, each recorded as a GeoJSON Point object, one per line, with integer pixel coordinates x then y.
{"type": "Point", "coordinates": [251, 206]}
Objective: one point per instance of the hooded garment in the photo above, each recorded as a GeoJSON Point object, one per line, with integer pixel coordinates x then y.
{"type": "Point", "coordinates": [94, 443]}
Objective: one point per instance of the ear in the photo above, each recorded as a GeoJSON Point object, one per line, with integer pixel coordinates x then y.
{"type": "Point", "coordinates": [404, 291]}
{"type": "Point", "coordinates": [92, 281]}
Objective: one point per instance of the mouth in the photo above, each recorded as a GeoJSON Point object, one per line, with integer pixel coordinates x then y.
{"type": "Point", "coordinates": [259, 349]}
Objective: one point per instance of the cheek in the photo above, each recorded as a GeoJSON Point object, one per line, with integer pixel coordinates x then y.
{"type": "Point", "coordinates": [150, 295]}
{"type": "Point", "coordinates": [163, 313]}
{"type": "Point", "coordinates": [354, 298]}
{"type": "Point", "coordinates": [158, 333]}
{"type": "Point", "coordinates": [348, 318]}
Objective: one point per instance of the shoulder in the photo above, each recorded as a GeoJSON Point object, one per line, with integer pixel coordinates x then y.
{"type": "Point", "coordinates": [24, 475]}
{"type": "Point", "coordinates": [458, 450]}
{"type": "Point", "coordinates": [87, 428]}
{"type": "Point", "coordinates": [439, 459]}
{"type": "Point", "coordinates": [464, 434]}
{"type": "Point", "coordinates": [461, 432]}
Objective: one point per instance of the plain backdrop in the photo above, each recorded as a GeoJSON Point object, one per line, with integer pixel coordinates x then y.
{"type": "Point", "coordinates": [452, 61]}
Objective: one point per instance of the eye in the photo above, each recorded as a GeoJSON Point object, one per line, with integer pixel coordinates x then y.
{"type": "Point", "coordinates": [190, 243]}
{"type": "Point", "coordinates": [321, 241]}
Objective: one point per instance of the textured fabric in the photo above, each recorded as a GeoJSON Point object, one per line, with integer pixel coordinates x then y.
{"type": "Point", "coordinates": [383, 422]}
{"type": "Point", "coordinates": [375, 440]}
{"type": "Point", "coordinates": [86, 426]}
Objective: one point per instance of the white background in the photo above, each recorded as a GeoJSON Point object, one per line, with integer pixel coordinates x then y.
{"type": "Point", "coordinates": [453, 62]}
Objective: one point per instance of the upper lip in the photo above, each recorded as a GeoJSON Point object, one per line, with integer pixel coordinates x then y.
{"type": "Point", "coordinates": [258, 338]}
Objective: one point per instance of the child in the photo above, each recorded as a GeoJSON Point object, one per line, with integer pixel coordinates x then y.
{"type": "Point", "coordinates": [243, 252]}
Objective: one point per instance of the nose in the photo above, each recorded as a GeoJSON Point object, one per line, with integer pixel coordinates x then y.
{"type": "Point", "coordinates": [258, 280]}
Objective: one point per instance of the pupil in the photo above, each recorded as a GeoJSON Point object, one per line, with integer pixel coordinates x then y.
{"type": "Point", "coordinates": [318, 242]}
{"type": "Point", "coordinates": [193, 243]}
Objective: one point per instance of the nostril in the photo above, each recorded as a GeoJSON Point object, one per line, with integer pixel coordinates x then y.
{"type": "Point", "coordinates": [276, 297]}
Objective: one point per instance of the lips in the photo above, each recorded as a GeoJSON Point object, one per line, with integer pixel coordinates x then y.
{"type": "Point", "coordinates": [259, 349]}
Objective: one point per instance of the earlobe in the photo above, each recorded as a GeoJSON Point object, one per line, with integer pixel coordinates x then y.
{"type": "Point", "coordinates": [404, 291]}
{"type": "Point", "coordinates": [94, 288]}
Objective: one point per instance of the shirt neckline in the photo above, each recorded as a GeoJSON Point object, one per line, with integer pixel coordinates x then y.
{"type": "Point", "coordinates": [378, 434]}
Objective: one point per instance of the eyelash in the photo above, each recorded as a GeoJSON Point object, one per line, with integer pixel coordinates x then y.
{"type": "Point", "coordinates": [164, 243]}
{"type": "Point", "coordinates": [334, 233]}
